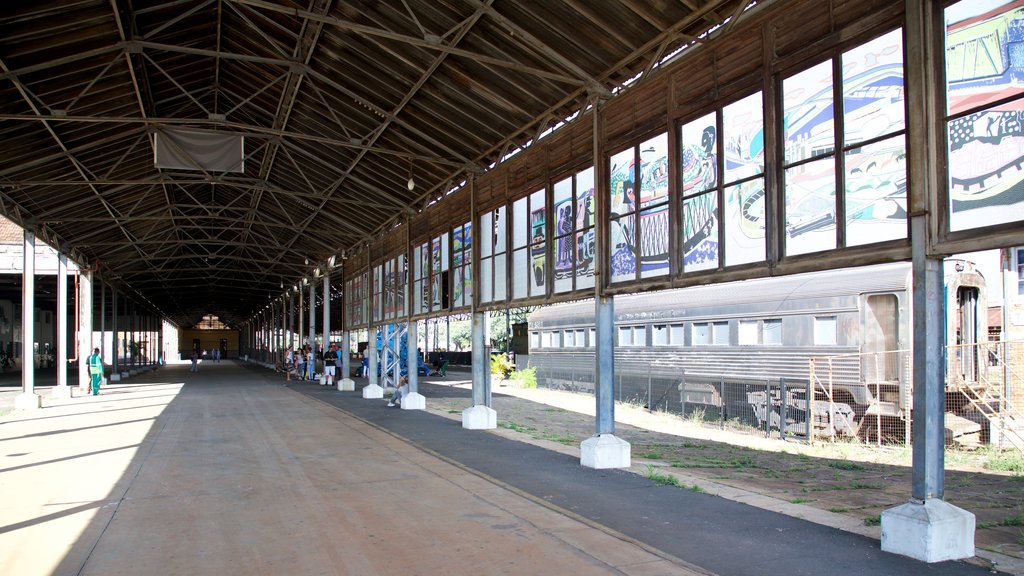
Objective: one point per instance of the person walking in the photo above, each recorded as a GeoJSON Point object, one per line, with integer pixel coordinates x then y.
{"type": "Point", "coordinates": [96, 370]}
{"type": "Point", "coordinates": [195, 360]}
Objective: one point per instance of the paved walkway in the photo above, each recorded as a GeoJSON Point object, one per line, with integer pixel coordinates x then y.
{"type": "Point", "coordinates": [228, 471]}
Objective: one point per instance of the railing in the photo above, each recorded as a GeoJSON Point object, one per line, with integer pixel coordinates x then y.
{"type": "Point", "coordinates": [997, 389]}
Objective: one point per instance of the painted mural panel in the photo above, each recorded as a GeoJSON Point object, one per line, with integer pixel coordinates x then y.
{"type": "Point", "coordinates": [743, 156]}
{"type": "Point", "coordinates": [564, 226]}
{"type": "Point", "coordinates": [585, 221]}
{"type": "Point", "coordinates": [985, 64]}
{"type": "Point", "coordinates": [654, 207]}
{"type": "Point", "coordinates": [873, 93]}
{"type": "Point", "coordinates": [876, 192]}
{"type": "Point", "coordinates": [744, 222]}
{"type": "Point", "coordinates": [811, 207]}
{"type": "Point", "coordinates": [700, 232]}
{"type": "Point", "coordinates": [622, 200]}
{"type": "Point", "coordinates": [743, 140]}
{"type": "Point", "coordinates": [538, 245]}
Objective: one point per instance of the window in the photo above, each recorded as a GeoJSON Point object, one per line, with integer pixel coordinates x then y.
{"type": "Point", "coordinates": [984, 100]}
{"type": "Point", "coordinates": [845, 132]}
{"type": "Point", "coordinates": [580, 339]}
{"type": "Point", "coordinates": [659, 335]}
{"type": "Point", "coordinates": [638, 187]}
{"type": "Point", "coordinates": [632, 336]}
{"type": "Point", "coordinates": [720, 333]}
{"type": "Point", "coordinates": [721, 167]}
{"type": "Point", "coordinates": [462, 266]}
{"type": "Point", "coordinates": [529, 252]}
{"type": "Point", "coordinates": [825, 331]}
{"type": "Point", "coordinates": [493, 255]}
{"type": "Point", "coordinates": [701, 334]}
{"type": "Point", "coordinates": [573, 213]}
{"type": "Point", "coordinates": [592, 337]}
{"type": "Point", "coordinates": [534, 339]}
{"type": "Point", "coordinates": [678, 335]}
{"type": "Point", "coordinates": [748, 332]}
{"type": "Point", "coordinates": [771, 332]}
{"type": "Point", "coordinates": [1020, 271]}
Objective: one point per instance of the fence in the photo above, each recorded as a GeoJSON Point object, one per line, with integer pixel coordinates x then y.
{"type": "Point", "coordinates": [867, 395]}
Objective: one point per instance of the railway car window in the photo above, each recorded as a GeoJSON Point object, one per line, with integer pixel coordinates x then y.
{"type": "Point", "coordinates": [825, 331]}
{"type": "Point", "coordinates": [771, 332]}
{"type": "Point", "coordinates": [625, 336]}
{"type": "Point", "coordinates": [659, 335]}
{"type": "Point", "coordinates": [720, 333]}
{"type": "Point", "coordinates": [984, 101]}
{"type": "Point", "coordinates": [580, 341]}
{"type": "Point", "coordinates": [570, 340]}
{"type": "Point", "coordinates": [701, 334]}
{"type": "Point", "coordinates": [592, 337]}
{"type": "Point", "coordinates": [678, 336]}
{"type": "Point", "coordinates": [534, 339]}
{"type": "Point", "coordinates": [747, 333]}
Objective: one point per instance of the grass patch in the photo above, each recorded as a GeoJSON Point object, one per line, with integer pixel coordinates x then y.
{"type": "Point", "coordinates": [1017, 520]}
{"type": "Point", "coordinates": [516, 427]}
{"type": "Point", "coordinates": [659, 477]}
{"type": "Point", "coordinates": [802, 500]}
{"type": "Point", "coordinates": [875, 520]}
{"type": "Point", "coordinates": [696, 489]}
{"type": "Point", "coordinates": [650, 455]}
{"type": "Point", "coordinates": [1005, 461]}
{"type": "Point", "coordinates": [845, 465]}
{"type": "Point", "coordinates": [839, 510]}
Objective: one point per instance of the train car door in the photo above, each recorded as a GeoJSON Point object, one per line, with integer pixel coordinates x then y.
{"type": "Point", "coordinates": [880, 361]}
{"type": "Point", "coordinates": [967, 333]}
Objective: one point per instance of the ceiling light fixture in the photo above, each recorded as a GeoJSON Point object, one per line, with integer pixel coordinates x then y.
{"type": "Point", "coordinates": [411, 184]}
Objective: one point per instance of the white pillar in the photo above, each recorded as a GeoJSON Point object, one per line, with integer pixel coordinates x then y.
{"type": "Point", "coordinates": [311, 365]}
{"type": "Point", "coordinates": [85, 329]}
{"type": "Point", "coordinates": [28, 399]}
{"type": "Point", "coordinates": [345, 382]}
{"type": "Point", "coordinates": [62, 390]}
{"type": "Point", "coordinates": [412, 400]}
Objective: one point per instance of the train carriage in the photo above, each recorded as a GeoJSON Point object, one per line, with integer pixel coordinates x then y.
{"type": "Point", "coordinates": [730, 350]}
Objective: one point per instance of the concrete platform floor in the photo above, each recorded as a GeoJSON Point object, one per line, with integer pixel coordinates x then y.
{"type": "Point", "coordinates": [223, 472]}
{"type": "Point", "coordinates": [227, 471]}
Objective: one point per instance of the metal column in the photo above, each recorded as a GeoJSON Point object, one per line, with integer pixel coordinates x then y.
{"type": "Point", "coordinates": [311, 365]}
{"type": "Point", "coordinates": [62, 326]}
{"type": "Point", "coordinates": [84, 329]}
{"type": "Point", "coordinates": [28, 399]}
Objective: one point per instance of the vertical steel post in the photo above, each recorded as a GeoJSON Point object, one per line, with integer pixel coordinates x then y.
{"type": "Point", "coordinates": [62, 321]}
{"type": "Point", "coordinates": [28, 308]}
{"type": "Point", "coordinates": [84, 328]}
{"type": "Point", "coordinates": [311, 363]}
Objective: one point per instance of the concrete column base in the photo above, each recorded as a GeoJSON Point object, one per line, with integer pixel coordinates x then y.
{"type": "Point", "coordinates": [373, 391]}
{"type": "Point", "coordinates": [479, 417]}
{"type": "Point", "coordinates": [28, 401]}
{"type": "Point", "coordinates": [932, 531]}
{"type": "Point", "coordinates": [346, 385]}
{"type": "Point", "coordinates": [605, 451]}
{"type": "Point", "coordinates": [115, 377]}
{"type": "Point", "coordinates": [125, 375]}
{"type": "Point", "coordinates": [414, 401]}
{"type": "Point", "coordinates": [61, 392]}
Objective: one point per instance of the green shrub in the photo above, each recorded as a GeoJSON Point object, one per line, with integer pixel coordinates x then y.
{"type": "Point", "coordinates": [527, 377]}
{"type": "Point", "coordinates": [501, 366]}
